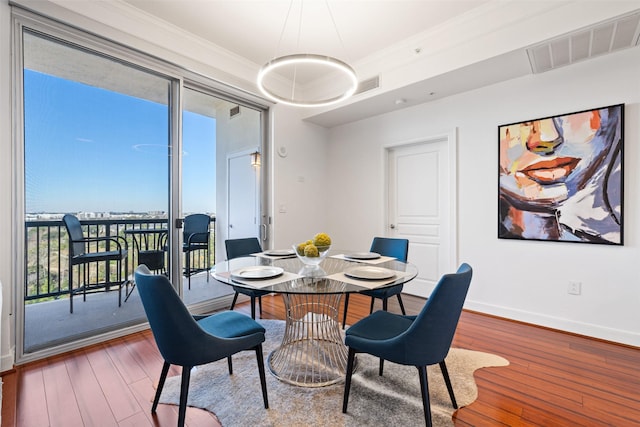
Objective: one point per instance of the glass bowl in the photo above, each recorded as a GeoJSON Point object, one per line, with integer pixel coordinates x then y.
{"type": "Point", "coordinates": [313, 261]}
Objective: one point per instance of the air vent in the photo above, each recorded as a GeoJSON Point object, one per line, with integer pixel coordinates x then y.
{"type": "Point", "coordinates": [367, 85]}
{"type": "Point", "coordinates": [234, 111]}
{"type": "Point", "coordinates": [600, 39]}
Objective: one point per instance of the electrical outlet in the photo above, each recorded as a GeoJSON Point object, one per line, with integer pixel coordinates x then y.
{"type": "Point", "coordinates": [575, 288]}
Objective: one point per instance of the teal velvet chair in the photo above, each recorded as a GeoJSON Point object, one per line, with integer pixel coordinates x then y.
{"type": "Point", "coordinates": [397, 248]}
{"type": "Point", "coordinates": [188, 341]}
{"type": "Point", "coordinates": [418, 341]}
{"type": "Point", "coordinates": [244, 247]}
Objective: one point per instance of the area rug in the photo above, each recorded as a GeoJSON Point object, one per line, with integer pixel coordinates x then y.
{"type": "Point", "coordinates": [393, 399]}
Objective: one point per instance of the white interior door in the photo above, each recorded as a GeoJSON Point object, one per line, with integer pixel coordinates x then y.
{"type": "Point", "coordinates": [420, 208]}
{"type": "Point", "coordinates": [243, 197]}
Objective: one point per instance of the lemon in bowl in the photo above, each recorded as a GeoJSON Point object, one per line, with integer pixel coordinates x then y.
{"type": "Point", "coordinates": [311, 254]}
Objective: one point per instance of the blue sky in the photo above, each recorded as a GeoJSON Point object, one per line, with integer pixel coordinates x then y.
{"type": "Point", "coordinates": [90, 149]}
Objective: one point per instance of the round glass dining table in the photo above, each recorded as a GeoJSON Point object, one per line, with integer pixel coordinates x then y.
{"type": "Point", "coordinates": [312, 352]}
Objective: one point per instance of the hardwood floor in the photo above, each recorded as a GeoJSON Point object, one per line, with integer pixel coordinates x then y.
{"type": "Point", "coordinates": [554, 379]}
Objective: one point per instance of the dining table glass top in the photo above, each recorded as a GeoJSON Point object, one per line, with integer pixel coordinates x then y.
{"type": "Point", "coordinates": [336, 274]}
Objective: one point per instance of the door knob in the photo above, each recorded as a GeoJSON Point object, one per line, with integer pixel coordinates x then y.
{"type": "Point", "coordinates": [392, 226]}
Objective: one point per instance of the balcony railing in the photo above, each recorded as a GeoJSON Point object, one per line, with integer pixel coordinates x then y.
{"type": "Point", "coordinates": [47, 252]}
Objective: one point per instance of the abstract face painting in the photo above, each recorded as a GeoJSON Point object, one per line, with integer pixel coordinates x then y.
{"type": "Point", "coordinates": [560, 178]}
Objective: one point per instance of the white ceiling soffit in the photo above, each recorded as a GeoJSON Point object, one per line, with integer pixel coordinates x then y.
{"type": "Point", "coordinates": [600, 39]}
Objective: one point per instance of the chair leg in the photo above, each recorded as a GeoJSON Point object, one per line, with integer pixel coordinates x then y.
{"type": "Point", "coordinates": [120, 285]}
{"type": "Point", "coordinates": [445, 374]}
{"type": "Point", "coordinates": [188, 269]}
{"type": "Point", "coordinates": [124, 282]}
{"type": "Point", "coordinates": [230, 363]}
{"type": "Point", "coordinates": [184, 393]}
{"type": "Point", "coordinates": [385, 304]}
{"type": "Point", "coordinates": [129, 292]}
{"type": "Point", "coordinates": [263, 379]}
{"type": "Point", "coordinates": [381, 367]}
{"type": "Point", "coordinates": [424, 388]}
{"type": "Point", "coordinates": [163, 376]}
{"type": "Point", "coordinates": [208, 264]}
{"type": "Point", "coordinates": [233, 303]}
{"type": "Point", "coordinates": [71, 289]}
{"type": "Point", "coordinates": [404, 313]}
{"type": "Point", "coordinates": [85, 281]}
{"type": "Point", "coordinates": [260, 304]}
{"type": "Point", "coordinates": [253, 308]}
{"type": "Point", "coordinates": [347, 380]}
{"type": "Point", "coordinates": [371, 306]}
{"type": "Point", "coordinates": [346, 306]}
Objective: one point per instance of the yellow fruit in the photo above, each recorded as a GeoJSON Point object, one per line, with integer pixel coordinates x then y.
{"type": "Point", "coordinates": [300, 248]}
{"type": "Point", "coordinates": [311, 251]}
{"type": "Point", "coordinates": [322, 239]}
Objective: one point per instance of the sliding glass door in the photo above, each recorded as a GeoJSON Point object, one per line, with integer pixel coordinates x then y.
{"type": "Point", "coordinates": [215, 130]}
{"type": "Point", "coordinates": [132, 147]}
{"type": "Point", "coordinates": [96, 146]}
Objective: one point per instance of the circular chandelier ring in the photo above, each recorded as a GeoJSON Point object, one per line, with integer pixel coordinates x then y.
{"type": "Point", "coordinates": [307, 58]}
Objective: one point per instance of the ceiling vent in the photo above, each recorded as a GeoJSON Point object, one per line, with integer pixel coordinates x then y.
{"type": "Point", "coordinates": [234, 111]}
{"type": "Point", "coordinates": [367, 85]}
{"type": "Point", "coordinates": [600, 39]}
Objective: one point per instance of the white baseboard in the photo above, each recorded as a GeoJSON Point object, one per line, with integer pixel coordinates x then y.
{"type": "Point", "coordinates": [563, 324]}
{"type": "Point", "coordinates": [7, 361]}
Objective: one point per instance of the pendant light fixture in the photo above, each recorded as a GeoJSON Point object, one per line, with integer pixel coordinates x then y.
{"type": "Point", "coordinates": [289, 79]}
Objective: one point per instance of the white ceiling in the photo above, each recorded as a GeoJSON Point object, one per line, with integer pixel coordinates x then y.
{"type": "Point", "coordinates": [422, 50]}
{"type": "Point", "coordinates": [253, 28]}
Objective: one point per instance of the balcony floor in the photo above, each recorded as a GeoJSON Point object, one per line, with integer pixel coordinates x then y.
{"type": "Point", "coordinates": [50, 323]}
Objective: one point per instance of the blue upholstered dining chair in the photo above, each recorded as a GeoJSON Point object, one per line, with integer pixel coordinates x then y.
{"type": "Point", "coordinates": [397, 248]}
{"type": "Point", "coordinates": [189, 341]}
{"type": "Point", "coordinates": [418, 341]}
{"type": "Point", "coordinates": [237, 248]}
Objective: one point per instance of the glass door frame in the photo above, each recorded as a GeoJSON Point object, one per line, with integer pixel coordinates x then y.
{"type": "Point", "coordinates": [26, 21]}
{"type": "Point", "coordinates": [202, 84]}
{"type": "Point", "coordinates": [22, 19]}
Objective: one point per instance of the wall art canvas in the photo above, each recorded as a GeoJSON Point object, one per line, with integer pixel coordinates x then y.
{"type": "Point", "coordinates": [561, 177]}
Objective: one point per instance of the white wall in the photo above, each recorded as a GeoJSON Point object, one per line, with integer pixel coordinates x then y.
{"type": "Point", "coordinates": [299, 179]}
{"type": "Point", "coordinates": [523, 280]}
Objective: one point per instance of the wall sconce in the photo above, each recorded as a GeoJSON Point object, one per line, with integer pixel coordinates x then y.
{"type": "Point", "coordinates": [255, 159]}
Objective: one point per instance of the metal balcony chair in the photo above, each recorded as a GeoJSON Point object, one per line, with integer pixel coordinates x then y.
{"type": "Point", "coordinates": [397, 248]}
{"type": "Point", "coordinates": [238, 248]}
{"type": "Point", "coordinates": [188, 341]}
{"type": "Point", "coordinates": [79, 255]}
{"type": "Point", "coordinates": [418, 341]}
{"type": "Point", "coordinates": [195, 237]}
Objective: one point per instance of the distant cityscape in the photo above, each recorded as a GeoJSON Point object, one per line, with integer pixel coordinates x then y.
{"type": "Point", "coordinates": [56, 216]}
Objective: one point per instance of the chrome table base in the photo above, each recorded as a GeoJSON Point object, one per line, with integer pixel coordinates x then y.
{"type": "Point", "coordinates": [312, 353]}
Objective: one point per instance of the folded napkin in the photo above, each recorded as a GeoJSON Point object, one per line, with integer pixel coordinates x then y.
{"type": "Point", "coordinates": [364, 261]}
{"type": "Point", "coordinates": [366, 283]}
{"type": "Point", "coordinates": [260, 283]}
{"type": "Point", "coordinates": [267, 256]}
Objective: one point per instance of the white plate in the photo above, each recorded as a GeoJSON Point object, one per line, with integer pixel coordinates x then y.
{"type": "Point", "coordinates": [257, 272]}
{"type": "Point", "coordinates": [370, 273]}
{"type": "Point", "coordinates": [280, 252]}
{"type": "Point", "coordinates": [363, 255]}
